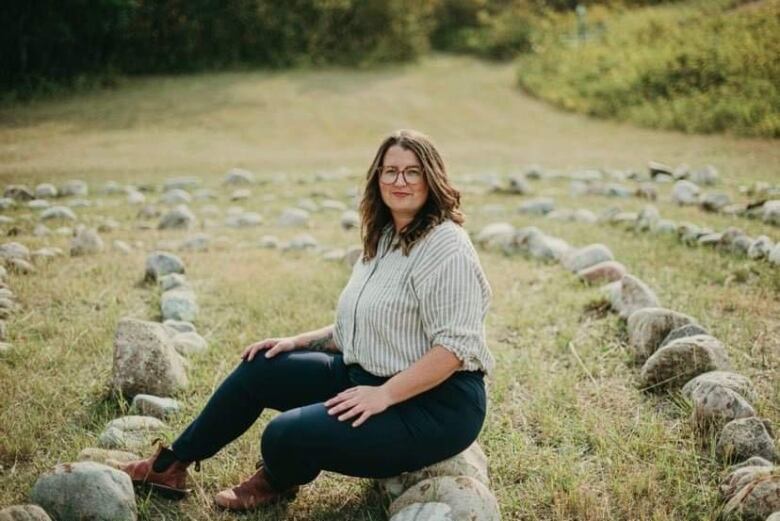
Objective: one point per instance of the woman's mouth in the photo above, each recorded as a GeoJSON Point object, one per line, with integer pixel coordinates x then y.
{"type": "Point", "coordinates": [401, 194]}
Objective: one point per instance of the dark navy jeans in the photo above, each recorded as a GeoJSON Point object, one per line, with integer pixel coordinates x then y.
{"type": "Point", "coordinates": [304, 439]}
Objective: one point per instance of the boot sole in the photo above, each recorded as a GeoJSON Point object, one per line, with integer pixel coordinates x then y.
{"type": "Point", "coordinates": [163, 490]}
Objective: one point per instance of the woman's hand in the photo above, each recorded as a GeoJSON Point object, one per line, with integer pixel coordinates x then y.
{"type": "Point", "coordinates": [363, 400]}
{"type": "Point", "coordinates": [274, 346]}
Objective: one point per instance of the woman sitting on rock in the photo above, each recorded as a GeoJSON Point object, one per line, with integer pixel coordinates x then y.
{"type": "Point", "coordinates": [394, 385]}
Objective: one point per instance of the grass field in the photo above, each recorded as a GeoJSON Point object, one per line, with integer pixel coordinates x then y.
{"type": "Point", "coordinates": [563, 443]}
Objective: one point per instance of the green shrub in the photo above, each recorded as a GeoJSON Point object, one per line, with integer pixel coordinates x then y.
{"type": "Point", "coordinates": [695, 67]}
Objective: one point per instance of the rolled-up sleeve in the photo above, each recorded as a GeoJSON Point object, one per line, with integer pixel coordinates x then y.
{"type": "Point", "coordinates": [454, 299]}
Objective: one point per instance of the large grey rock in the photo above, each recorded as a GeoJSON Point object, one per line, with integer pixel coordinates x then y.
{"type": "Point", "coordinates": [683, 331]}
{"type": "Point", "coordinates": [736, 382]}
{"type": "Point", "coordinates": [85, 491]}
{"type": "Point", "coordinates": [586, 257]}
{"type": "Point", "coordinates": [742, 438]}
{"type": "Point", "coordinates": [145, 361]}
{"type": "Point", "coordinates": [647, 328]}
{"type": "Point", "coordinates": [179, 304]}
{"type": "Point", "coordinates": [679, 361]}
{"type": "Point", "coordinates": [160, 264]}
{"type": "Point", "coordinates": [467, 497]}
{"type": "Point", "coordinates": [685, 192]}
{"type": "Point", "coordinates": [634, 294]}
{"type": "Point", "coordinates": [179, 217]}
{"type": "Point", "coordinates": [471, 462]}
{"type": "Point", "coordinates": [156, 406]}
{"type": "Point", "coordinates": [86, 242]}
{"type": "Point", "coordinates": [424, 512]}
{"type": "Point", "coordinates": [757, 500]}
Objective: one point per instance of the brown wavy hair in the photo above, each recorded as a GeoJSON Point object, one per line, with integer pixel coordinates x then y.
{"type": "Point", "coordinates": [443, 199]}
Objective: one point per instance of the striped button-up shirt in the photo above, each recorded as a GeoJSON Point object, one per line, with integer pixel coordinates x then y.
{"type": "Point", "coordinates": [395, 308]}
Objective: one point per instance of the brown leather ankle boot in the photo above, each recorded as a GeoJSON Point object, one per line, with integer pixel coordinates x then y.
{"type": "Point", "coordinates": [252, 493]}
{"type": "Point", "coordinates": [162, 472]}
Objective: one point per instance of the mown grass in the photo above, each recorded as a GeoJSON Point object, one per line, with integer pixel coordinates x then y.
{"type": "Point", "coordinates": [566, 439]}
{"type": "Point", "coordinates": [696, 66]}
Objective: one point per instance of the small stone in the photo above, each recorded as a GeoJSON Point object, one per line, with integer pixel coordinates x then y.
{"type": "Point", "coordinates": [172, 281]}
{"type": "Point", "coordinates": [269, 242]}
{"type": "Point", "coordinates": [155, 406]}
{"type": "Point", "coordinates": [24, 513]}
{"type": "Point", "coordinates": [714, 406]}
{"type": "Point", "coordinates": [179, 326]}
{"type": "Point", "coordinates": [539, 206]}
{"type": "Point", "coordinates": [238, 176]}
{"type": "Point", "coordinates": [20, 266]}
{"type": "Point", "coordinates": [495, 234]}
{"type": "Point", "coordinates": [584, 216]}
{"type": "Point", "coordinates": [602, 272]}
{"type": "Point", "coordinates": [179, 217]}
{"type": "Point", "coordinates": [715, 202]}
{"type": "Point", "coordinates": [738, 478]}
{"type": "Point", "coordinates": [685, 192]}
{"type": "Point", "coordinates": [160, 263]}
{"type": "Point", "coordinates": [646, 191]}
{"type": "Point", "coordinates": [38, 204]}
{"type": "Point", "coordinates": [656, 168]}
{"type": "Point", "coordinates": [85, 490]}
{"type": "Point", "coordinates": [774, 255]}
{"type": "Point", "coordinates": [648, 327]}
{"type": "Point", "coordinates": [350, 220]}
{"type": "Point", "coordinates": [130, 432]}
{"type": "Point", "coordinates": [181, 183]}
{"type": "Point", "coordinates": [771, 212]}
{"type": "Point", "coordinates": [679, 361]}
{"type": "Point", "coordinates": [742, 438]}
{"type": "Point", "coordinates": [291, 217]}
{"type": "Point", "coordinates": [122, 247]}
{"type": "Point", "coordinates": [736, 382]}
{"type": "Point", "coordinates": [705, 176]}
{"type": "Point", "coordinates": [179, 304]}
{"type": "Point", "coordinates": [244, 220]}
{"type": "Point", "coordinates": [683, 331]}
{"type": "Point", "coordinates": [302, 242]}
{"type": "Point", "coordinates": [189, 343]}
{"type": "Point", "coordinates": [106, 456]}
{"type": "Point", "coordinates": [14, 250]}
{"type": "Point", "coordinates": [760, 248]}
{"type": "Point", "coordinates": [74, 188]}
{"type": "Point", "coordinates": [45, 191]}
{"type": "Point", "coordinates": [647, 218]}
{"type": "Point", "coordinates": [108, 225]}
{"type": "Point", "coordinates": [135, 197]}
{"type": "Point", "coordinates": [241, 194]}
{"type": "Point", "coordinates": [580, 259]}
{"type": "Point", "coordinates": [18, 193]}
{"type": "Point", "coordinates": [87, 242]}
{"type": "Point", "coordinates": [665, 226]}
{"type": "Point", "coordinates": [756, 500]}
{"type": "Point", "coordinates": [634, 294]}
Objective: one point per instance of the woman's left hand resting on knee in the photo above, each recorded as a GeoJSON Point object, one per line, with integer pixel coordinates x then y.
{"type": "Point", "coordinates": [317, 340]}
{"type": "Point", "coordinates": [365, 401]}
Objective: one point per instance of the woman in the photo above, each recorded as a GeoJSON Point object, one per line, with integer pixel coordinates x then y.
{"type": "Point", "coordinates": [394, 385]}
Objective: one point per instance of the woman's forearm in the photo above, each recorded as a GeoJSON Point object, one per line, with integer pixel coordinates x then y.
{"type": "Point", "coordinates": [429, 371]}
{"type": "Point", "coordinates": [317, 340]}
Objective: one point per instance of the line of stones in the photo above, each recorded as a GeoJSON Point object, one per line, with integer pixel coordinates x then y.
{"type": "Point", "coordinates": [148, 366]}
{"type": "Point", "coordinates": [674, 349]}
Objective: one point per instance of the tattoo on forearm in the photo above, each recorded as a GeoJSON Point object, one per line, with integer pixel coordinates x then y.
{"type": "Point", "coordinates": [324, 343]}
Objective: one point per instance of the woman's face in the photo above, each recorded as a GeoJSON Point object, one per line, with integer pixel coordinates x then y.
{"type": "Point", "coordinates": [403, 199]}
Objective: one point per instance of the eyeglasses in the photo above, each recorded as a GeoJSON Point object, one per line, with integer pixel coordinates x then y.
{"type": "Point", "coordinates": [388, 175]}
